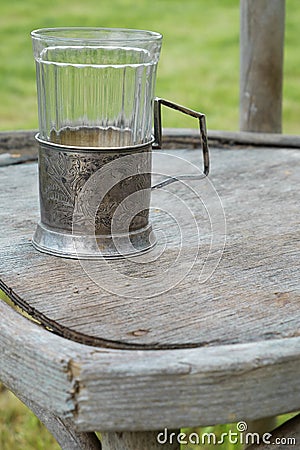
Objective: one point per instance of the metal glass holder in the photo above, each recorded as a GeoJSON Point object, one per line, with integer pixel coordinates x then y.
{"type": "Point", "coordinates": [63, 172]}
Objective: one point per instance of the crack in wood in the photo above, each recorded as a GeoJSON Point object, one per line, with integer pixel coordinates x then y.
{"type": "Point", "coordinates": [82, 338]}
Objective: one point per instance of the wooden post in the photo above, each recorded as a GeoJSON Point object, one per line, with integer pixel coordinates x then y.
{"type": "Point", "coordinates": [261, 65]}
{"type": "Point", "coordinates": [141, 440]}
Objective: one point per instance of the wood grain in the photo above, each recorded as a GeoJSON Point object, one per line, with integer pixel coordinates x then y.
{"type": "Point", "coordinates": [115, 390]}
{"type": "Point", "coordinates": [21, 144]}
{"type": "Point", "coordinates": [261, 71]}
{"type": "Point", "coordinates": [252, 295]}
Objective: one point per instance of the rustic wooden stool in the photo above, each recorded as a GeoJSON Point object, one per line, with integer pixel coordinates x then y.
{"type": "Point", "coordinates": [217, 342]}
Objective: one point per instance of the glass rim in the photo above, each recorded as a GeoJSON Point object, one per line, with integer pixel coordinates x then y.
{"type": "Point", "coordinates": [128, 34]}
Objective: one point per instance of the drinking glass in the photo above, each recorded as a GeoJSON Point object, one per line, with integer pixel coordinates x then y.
{"type": "Point", "coordinates": [95, 86]}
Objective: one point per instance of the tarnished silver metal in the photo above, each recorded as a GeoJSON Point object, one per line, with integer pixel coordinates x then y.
{"type": "Point", "coordinates": [64, 169]}
{"type": "Point", "coordinates": [63, 172]}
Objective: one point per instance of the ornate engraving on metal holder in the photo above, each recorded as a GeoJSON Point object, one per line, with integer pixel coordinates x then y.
{"type": "Point", "coordinates": [63, 175]}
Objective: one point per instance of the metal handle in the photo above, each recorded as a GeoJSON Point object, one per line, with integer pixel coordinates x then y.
{"type": "Point", "coordinates": [158, 138]}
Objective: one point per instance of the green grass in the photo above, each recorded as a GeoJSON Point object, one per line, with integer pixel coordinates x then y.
{"type": "Point", "coordinates": [19, 428]}
{"type": "Point", "coordinates": [199, 64]}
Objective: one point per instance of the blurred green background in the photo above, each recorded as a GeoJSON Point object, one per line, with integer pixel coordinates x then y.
{"type": "Point", "coordinates": [199, 65]}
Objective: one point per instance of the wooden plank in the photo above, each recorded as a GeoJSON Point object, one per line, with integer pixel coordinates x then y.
{"type": "Point", "coordinates": [7, 159]}
{"type": "Point", "coordinates": [261, 66]}
{"type": "Point", "coordinates": [31, 368]}
{"type": "Point", "coordinates": [252, 295]}
{"type": "Point", "coordinates": [190, 387]}
{"type": "Point", "coordinates": [18, 140]}
{"type": "Point", "coordinates": [21, 145]}
{"type": "Point", "coordinates": [117, 390]}
{"type": "Point", "coordinates": [186, 138]}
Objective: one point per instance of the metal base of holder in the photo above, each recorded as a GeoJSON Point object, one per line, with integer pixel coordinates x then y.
{"type": "Point", "coordinates": [74, 246]}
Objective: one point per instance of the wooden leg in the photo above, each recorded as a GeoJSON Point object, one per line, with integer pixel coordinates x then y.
{"type": "Point", "coordinates": [141, 440]}
{"type": "Point", "coordinates": [63, 430]}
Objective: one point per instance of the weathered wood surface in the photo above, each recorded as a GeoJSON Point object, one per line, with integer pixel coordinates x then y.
{"type": "Point", "coordinates": [252, 295]}
{"type": "Point", "coordinates": [111, 390]}
{"type": "Point", "coordinates": [22, 140]}
{"type": "Point", "coordinates": [250, 303]}
{"type": "Point", "coordinates": [136, 441]}
{"type": "Point", "coordinates": [19, 145]}
{"type": "Point", "coordinates": [287, 436]}
{"type": "Point", "coordinates": [261, 66]}
{"type": "Point", "coordinates": [187, 138]}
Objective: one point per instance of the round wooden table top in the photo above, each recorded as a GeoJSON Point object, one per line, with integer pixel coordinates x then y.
{"type": "Point", "coordinates": [225, 268]}
{"type": "Point", "coordinates": [218, 294]}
